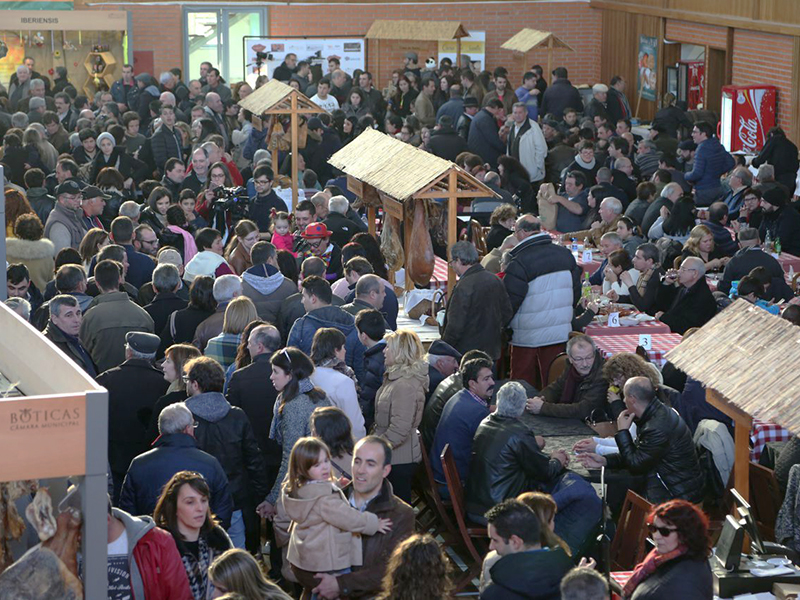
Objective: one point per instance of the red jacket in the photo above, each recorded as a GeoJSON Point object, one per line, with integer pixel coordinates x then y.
{"type": "Point", "coordinates": [161, 567]}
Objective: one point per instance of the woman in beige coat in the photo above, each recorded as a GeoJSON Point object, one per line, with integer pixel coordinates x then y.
{"type": "Point", "coordinates": [399, 404]}
{"type": "Point", "coordinates": [31, 249]}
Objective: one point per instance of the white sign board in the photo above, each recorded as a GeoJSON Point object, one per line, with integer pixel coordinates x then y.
{"type": "Point", "coordinates": [646, 341]}
{"type": "Point", "coordinates": [473, 46]}
{"type": "Point", "coordinates": [351, 52]}
{"type": "Point", "coordinates": [613, 319]}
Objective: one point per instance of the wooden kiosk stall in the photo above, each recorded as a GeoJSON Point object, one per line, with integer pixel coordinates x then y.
{"type": "Point", "coordinates": [275, 98]}
{"type": "Point", "coordinates": [527, 40]}
{"type": "Point", "coordinates": [56, 428]}
{"type": "Point", "coordinates": [415, 31]}
{"type": "Point", "coordinates": [383, 171]}
{"type": "Point", "coordinates": [746, 358]}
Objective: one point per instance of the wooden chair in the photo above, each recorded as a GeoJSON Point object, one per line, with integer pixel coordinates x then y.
{"type": "Point", "coordinates": [468, 533]}
{"type": "Point", "coordinates": [442, 519]}
{"type": "Point", "coordinates": [765, 500]}
{"type": "Point", "coordinates": [628, 546]}
{"type": "Point", "coordinates": [557, 367]}
{"type": "Point", "coordinates": [794, 282]}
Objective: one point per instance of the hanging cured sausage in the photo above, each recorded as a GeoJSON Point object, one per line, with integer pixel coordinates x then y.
{"type": "Point", "coordinates": [420, 255]}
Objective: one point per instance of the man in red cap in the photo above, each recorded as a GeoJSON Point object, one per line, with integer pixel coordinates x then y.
{"type": "Point", "coordinates": [317, 243]}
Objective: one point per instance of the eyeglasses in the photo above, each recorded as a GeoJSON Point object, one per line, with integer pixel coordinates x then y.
{"type": "Point", "coordinates": [185, 378]}
{"type": "Point", "coordinates": [664, 531]}
{"type": "Point", "coordinates": [261, 182]}
{"type": "Point", "coordinates": [582, 359]}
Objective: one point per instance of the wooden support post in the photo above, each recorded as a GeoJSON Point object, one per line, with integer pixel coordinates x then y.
{"type": "Point", "coordinates": [408, 223]}
{"type": "Point", "coordinates": [741, 445]}
{"type": "Point", "coordinates": [371, 219]}
{"type": "Point", "coordinates": [458, 51]}
{"type": "Point", "coordinates": [550, 59]}
{"type": "Point", "coordinates": [452, 221]}
{"type": "Point", "coordinates": [274, 121]}
{"type": "Point", "coordinates": [295, 150]}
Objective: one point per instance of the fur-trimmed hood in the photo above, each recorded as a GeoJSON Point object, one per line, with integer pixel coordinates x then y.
{"type": "Point", "coordinates": [29, 250]}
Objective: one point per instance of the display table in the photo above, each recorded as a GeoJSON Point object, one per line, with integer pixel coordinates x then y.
{"type": "Point", "coordinates": [595, 329]}
{"type": "Point", "coordinates": [661, 344]}
{"type": "Point", "coordinates": [763, 432]}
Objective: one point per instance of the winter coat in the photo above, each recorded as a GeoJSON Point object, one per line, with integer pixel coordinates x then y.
{"type": "Point", "coordinates": [133, 389]}
{"type": "Point", "coordinates": [680, 578]}
{"type": "Point", "coordinates": [496, 236]}
{"type": "Point", "coordinates": [784, 223]}
{"type": "Point", "coordinates": [694, 308]}
{"type": "Point", "coordinates": [206, 263]}
{"type": "Point", "coordinates": [533, 575]}
{"type": "Point", "coordinates": [543, 282]}
{"type": "Point", "coordinates": [477, 313]}
{"type": "Point", "coordinates": [166, 144]}
{"type": "Point", "coordinates": [83, 360]}
{"type": "Point", "coordinates": [374, 368]}
{"type": "Point", "coordinates": [122, 162]}
{"type": "Point", "coordinates": [324, 533]}
{"type": "Point", "coordinates": [267, 288]}
{"type": "Point", "coordinates": [711, 161]}
{"type": "Point", "coordinates": [106, 322]}
{"type": "Point", "coordinates": [172, 453]}
{"type": "Point", "coordinates": [155, 564]}
{"type": "Point", "coordinates": [506, 461]}
{"type": "Point", "coordinates": [36, 255]}
{"type": "Point", "coordinates": [781, 153]}
{"type": "Point", "coordinates": [449, 387]}
{"type": "Point", "coordinates": [672, 119]}
{"type": "Point", "coordinates": [590, 394]}
{"type": "Point", "coordinates": [162, 306]}
{"type": "Point", "coordinates": [529, 147]}
{"type": "Point", "coordinates": [446, 143]}
{"type": "Point", "coordinates": [341, 228]}
{"type": "Point", "coordinates": [239, 260]}
{"type": "Point", "coordinates": [558, 96]}
{"type": "Point", "coordinates": [65, 228]}
{"type": "Point", "coordinates": [292, 309]}
{"type": "Point", "coordinates": [289, 424]}
{"type": "Point", "coordinates": [723, 242]}
{"type": "Point", "coordinates": [41, 202]}
{"type": "Point", "coordinates": [664, 453]}
{"type": "Point", "coordinates": [484, 139]}
{"type": "Point", "coordinates": [224, 431]}
{"type": "Point", "coordinates": [365, 581]}
{"type": "Point", "coordinates": [341, 391]}
{"type": "Point", "coordinates": [398, 410]}
{"type": "Point", "coordinates": [186, 322]}
{"type": "Point", "coordinates": [251, 390]}
{"type": "Point", "coordinates": [460, 419]}
{"type": "Point", "coordinates": [303, 330]}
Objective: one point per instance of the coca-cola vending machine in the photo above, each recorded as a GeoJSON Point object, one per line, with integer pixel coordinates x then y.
{"type": "Point", "coordinates": [748, 113]}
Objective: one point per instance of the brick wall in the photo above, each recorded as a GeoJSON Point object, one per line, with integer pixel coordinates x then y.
{"type": "Point", "coordinates": [575, 23]}
{"type": "Point", "coordinates": [763, 58]}
{"type": "Point", "coordinates": [696, 33]}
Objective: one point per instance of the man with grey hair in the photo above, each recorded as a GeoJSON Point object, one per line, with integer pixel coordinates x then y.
{"type": "Point", "coordinates": [741, 178]}
{"type": "Point", "coordinates": [543, 282]}
{"type": "Point", "coordinates": [479, 309]}
{"type": "Point", "coordinates": [610, 211]}
{"type": "Point", "coordinates": [37, 90]}
{"type": "Point", "coordinates": [64, 327]}
{"type": "Point", "coordinates": [36, 108]}
{"type": "Point", "coordinates": [196, 178]}
{"type": "Point", "coordinates": [581, 390]}
{"type": "Point", "coordinates": [19, 120]}
{"type": "Point", "coordinates": [340, 227]}
{"type": "Point", "coordinates": [370, 293]}
{"type": "Point", "coordinates": [584, 583]}
{"type": "Point", "coordinates": [166, 256]}
{"type": "Point", "coordinates": [20, 89]}
{"type": "Point", "coordinates": [684, 297]}
{"type": "Point", "coordinates": [669, 195]}
{"type": "Point", "coordinates": [646, 159]}
{"type": "Point", "coordinates": [167, 282]}
{"type": "Point", "coordinates": [130, 209]}
{"type": "Point", "coordinates": [174, 450]}
{"type": "Point", "coordinates": [491, 262]}
{"type": "Point", "coordinates": [133, 388]}
{"type": "Point", "coordinates": [226, 288]}
{"type": "Point", "coordinates": [748, 258]}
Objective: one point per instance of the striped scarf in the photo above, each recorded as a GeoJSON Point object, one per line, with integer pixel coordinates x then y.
{"type": "Point", "coordinates": [641, 284]}
{"type": "Point", "coordinates": [197, 568]}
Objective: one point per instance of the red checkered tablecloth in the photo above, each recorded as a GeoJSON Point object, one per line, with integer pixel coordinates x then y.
{"type": "Point", "coordinates": [652, 327]}
{"type": "Point", "coordinates": [439, 273]}
{"type": "Point", "coordinates": [763, 432]}
{"type": "Point", "coordinates": [789, 260]}
{"type": "Point", "coordinates": [661, 342]}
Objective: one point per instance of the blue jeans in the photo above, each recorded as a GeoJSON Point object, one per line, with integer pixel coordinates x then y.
{"type": "Point", "coordinates": [579, 509]}
{"type": "Point", "coordinates": [236, 530]}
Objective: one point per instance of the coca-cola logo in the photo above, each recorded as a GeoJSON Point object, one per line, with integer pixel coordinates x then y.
{"type": "Point", "coordinates": [748, 133]}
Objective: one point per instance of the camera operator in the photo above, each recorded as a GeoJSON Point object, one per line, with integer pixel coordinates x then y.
{"type": "Point", "coordinates": [261, 205]}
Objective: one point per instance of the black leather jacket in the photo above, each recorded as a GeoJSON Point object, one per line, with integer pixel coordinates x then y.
{"type": "Point", "coordinates": [432, 414]}
{"type": "Point", "coordinates": [506, 461]}
{"type": "Point", "coordinates": [664, 452]}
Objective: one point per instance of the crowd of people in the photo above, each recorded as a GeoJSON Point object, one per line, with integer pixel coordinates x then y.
{"type": "Point", "coordinates": [259, 386]}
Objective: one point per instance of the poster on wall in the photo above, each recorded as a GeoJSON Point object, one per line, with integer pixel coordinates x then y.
{"type": "Point", "coordinates": [648, 61]}
{"type": "Point", "coordinates": [264, 55]}
{"type": "Point", "coordinates": [473, 46]}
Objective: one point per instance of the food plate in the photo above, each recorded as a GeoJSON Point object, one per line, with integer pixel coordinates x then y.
{"type": "Point", "coordinates": [779, 561]}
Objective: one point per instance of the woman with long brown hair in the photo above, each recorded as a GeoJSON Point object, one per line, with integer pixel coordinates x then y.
{"type": "Point", "coordinates": [183, 510]}
{"type": "Point", "coordinates": [175, 357]}
{"type": "Point", "coordinates": [417, 569]}
{"type": "Point", "coordinates": [16, 204]}
{"type": "Point", "coordinates": [237, 572]}
{"type": "Point", "coordinates": [238, 253]}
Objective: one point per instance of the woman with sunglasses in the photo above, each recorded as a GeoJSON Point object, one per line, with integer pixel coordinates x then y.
{"type": "Point", "coordinates": [678, 566]}
{"type": "Point", "coordinates": [297, 399]}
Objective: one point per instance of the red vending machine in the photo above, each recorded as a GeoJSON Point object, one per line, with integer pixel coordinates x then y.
{"type": "Point", "coordinates": [748, 113]}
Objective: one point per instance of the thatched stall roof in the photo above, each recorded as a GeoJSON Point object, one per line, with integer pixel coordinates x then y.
{"type": "Point", "coordinates": [420, 31]}
{"type": "Point", "coordinates": [275, 97]}
{"type": "Point", "coordinates": [750, 357]}
{"type": "Point", "coordinates": [402, 171]}
{"type": "Point", "coordinates": [530, 39]}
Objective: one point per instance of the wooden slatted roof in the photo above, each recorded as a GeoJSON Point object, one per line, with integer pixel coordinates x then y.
{"type": "Point", "coordinates": [431, 31]}
{"type": "Point", "coordinates": [275, 97]}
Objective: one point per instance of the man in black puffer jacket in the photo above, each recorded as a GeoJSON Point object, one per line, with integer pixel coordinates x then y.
{"type": "Point", "coordinates": [663, 451]}
{"type": "Point", "coordinates": [371, 326]}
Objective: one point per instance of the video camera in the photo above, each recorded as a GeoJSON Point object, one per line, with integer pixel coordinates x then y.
{"type": "Point", "coordinates": [231, 200]}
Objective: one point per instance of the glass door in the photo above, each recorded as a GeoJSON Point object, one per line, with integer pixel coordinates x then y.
{"type": "Point", "coordinates": [216, 36]}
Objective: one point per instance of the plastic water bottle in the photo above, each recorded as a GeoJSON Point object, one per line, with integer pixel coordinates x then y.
{"type": "Point", "coordinates": [768, 243]}
{"type": "Point", "coordinates": [586, 287]}
{"type": "Point", "coordinates": [574, 245]}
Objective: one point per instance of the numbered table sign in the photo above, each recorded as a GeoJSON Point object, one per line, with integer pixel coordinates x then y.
{"type": "Point", "coordinates": [646, 341]}
{"type": "Point", "coordinates": [587, 256]}
{"type": "Point", "coordinates": [613, 319]}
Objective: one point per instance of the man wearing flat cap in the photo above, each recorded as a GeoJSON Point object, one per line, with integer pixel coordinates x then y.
{"type": "Point", "coordinates": [133, 388]}
{"type": "Point", "coordinates": [471, 108]}
{"type": "Point", "coordinates": [94, 201]}
{"type": "Point", "coordinates": [598, 106]}
{"type": "Point", "coordinates": [65, 226]}
{"type": "Point", "coordinates": [443, 361]}
{"type": "Point", "coordinates": [780, 221]}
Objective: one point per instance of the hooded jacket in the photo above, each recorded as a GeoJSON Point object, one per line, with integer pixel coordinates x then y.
{"type": "Point", "coordinates": [156, 568]}
{"type": "Point", "coordinates": [224, 432]}
{"type": "Point", "coordinates": [267, 288]}
{"type": "Point", "coordinates": [303, 330]}
{"type": "Point", "coordinates": [590, 394]}
{"type": "Point", "coordinates": [399, 404]}
{"type": "Point", "coordinates": [324, 536]}
{"type": "Point", "coordinates": [36, 255]}
{"type": "Point", "coordinates": [533, 575]}
{"type": "Point", "coordinates": [374, 366]}
{"type": "Point", "coordinates": [204, 263]}
{"type": "Point", "coordinates": [41, 202]}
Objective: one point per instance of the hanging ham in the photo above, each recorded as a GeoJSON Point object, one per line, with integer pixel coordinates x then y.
{"type": "Point", "coordinates": [419, 257]}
